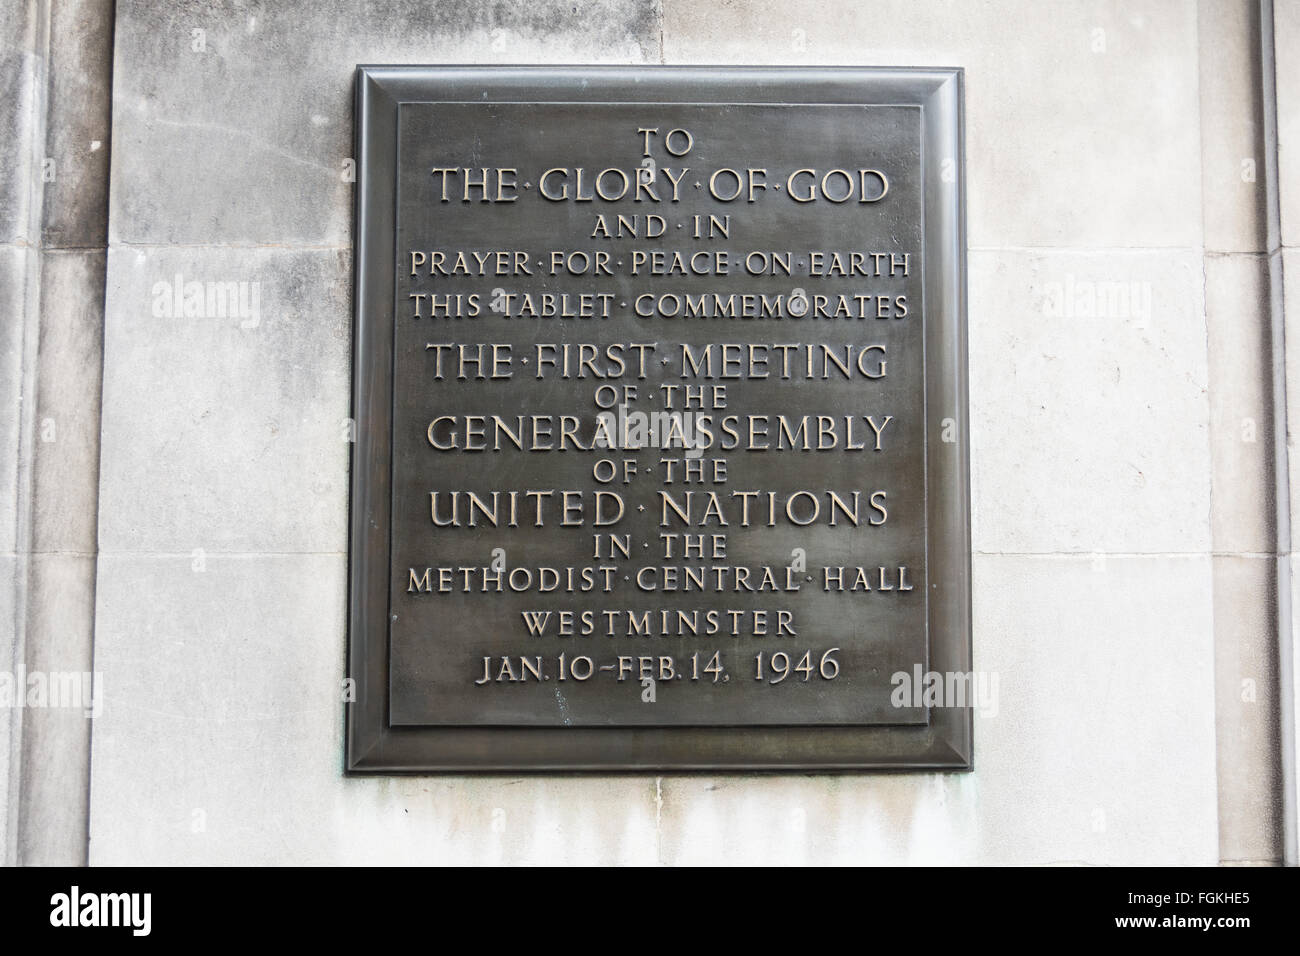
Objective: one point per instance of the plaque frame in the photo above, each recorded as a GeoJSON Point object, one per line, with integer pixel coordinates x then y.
{"type": "Point", "coordinates": [372, 745]}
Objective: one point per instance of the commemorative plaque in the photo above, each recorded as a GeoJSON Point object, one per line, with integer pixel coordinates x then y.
{"type": "Point", "coordinates": [661, 448]}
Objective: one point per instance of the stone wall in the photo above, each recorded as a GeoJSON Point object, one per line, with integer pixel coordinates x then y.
{"type": "Point", "coordinates": [1131, 488]}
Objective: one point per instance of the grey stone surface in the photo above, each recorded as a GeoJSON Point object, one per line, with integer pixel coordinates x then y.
{"type": "Point", "coordinates": [10, 724]}
{"type": "Point", "coordinates": [1103, 673]}
{"type": "Point", "coordinates": [1241, 347]}
{"type": "Point", "coordinates": [226, 433]}
{"type": "Point", "coordinates": [1241, 413]}
{"type": "Point", "coordinates": [1081, 131]}
{"type": "Point", "coordinates": [18, 85]}
{"type": "Point", "coordinates": [1096, 361]}
{"type": "Point", "coordinates": [239, 133]}
{"type": "Point", "coordinates": [1286, 40]}
{"type": "Point", "coordinates": [60, 169]}
{"type": "Point", "coordinates": [19, 71]}
{"type": "Point", "coordinates": [1284, 236]}
{"type": "Point", "coordinates": [66, 463]}
{"type": "Point", "coordinates": [1289, 677]}
{"type": "Point", "coordinates": [1103, 747]}
{"type": "Point", "coordinates": [75, 202]}
{"type": "Point", "coordinates": [56, 737]}
{"type": "Point", "coordinates": [1285, 273]}
{"type": "Point", "coordinates": [1248, 755]}
{"type": "Point", "coordinates": [220, 738]}
{"type": "Point", "coordinates": [60, 596]}
{"type": "Point", "coordinates": [220, 618]}
{"type": "Point", "coordinates": [14, 268]}
{"type": "Point", "coordinates": [1285, 288]}
{"type": "Point", "coordinates": [1233, 187]}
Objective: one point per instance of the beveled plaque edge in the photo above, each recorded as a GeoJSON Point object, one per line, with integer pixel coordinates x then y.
{"type": "Point", "coordinates": [372, 747]}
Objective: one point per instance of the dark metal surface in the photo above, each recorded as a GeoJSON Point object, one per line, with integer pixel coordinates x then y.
{"type": "Point", "coordinates": [442, 676]}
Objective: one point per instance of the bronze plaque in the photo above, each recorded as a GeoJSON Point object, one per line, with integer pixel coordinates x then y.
{"type": "Point", "coordinates": [661, 427]}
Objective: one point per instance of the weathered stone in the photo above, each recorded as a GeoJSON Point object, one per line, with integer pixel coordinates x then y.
{"type": "Point", "coordinates": [1085, 137]}
{"type": "Point", "coordinates": [1097, 360]}
{"type": "Point", "coordinates": [198, 165]}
